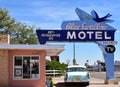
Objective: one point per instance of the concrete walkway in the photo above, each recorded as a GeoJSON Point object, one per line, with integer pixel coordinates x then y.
{"type": "Point", "coordinates": [59, 82]}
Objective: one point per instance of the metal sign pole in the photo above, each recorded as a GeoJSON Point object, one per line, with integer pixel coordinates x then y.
{"type": "Point", "coordinates": [74, 60]}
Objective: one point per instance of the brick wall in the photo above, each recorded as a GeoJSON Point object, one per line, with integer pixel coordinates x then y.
{"type": "Point", "coordinates": [4, 38]}
{"type": "Point", "coordinates": [3, 68]}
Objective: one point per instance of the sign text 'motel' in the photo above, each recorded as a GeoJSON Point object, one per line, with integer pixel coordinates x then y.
{"type": "Point", "coordinates": [75, 35]}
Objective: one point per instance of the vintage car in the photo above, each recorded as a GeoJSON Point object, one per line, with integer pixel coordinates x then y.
{"type": "Point", "coordinates": [77, 74]}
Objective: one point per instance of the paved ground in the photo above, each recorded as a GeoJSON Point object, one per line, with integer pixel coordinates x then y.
{"type": "Point", "coordinates": [102, 75]}
{"type": "Point", "coordinates": [94, 82]}
{"type": "Point", "coordinates": [59, 82]}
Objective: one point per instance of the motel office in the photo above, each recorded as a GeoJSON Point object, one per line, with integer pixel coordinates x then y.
{"type": "Point", "coordinates": [23, 65]}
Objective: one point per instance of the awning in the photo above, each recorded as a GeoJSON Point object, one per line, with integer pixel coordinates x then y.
{"type": "Point", "coordinates": [52, 50]}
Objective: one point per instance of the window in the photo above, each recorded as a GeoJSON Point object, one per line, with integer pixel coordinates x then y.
{"type": "Point", "coordinates": [76, 69]}
{"type": "Point", "coordinates": [26, 67]}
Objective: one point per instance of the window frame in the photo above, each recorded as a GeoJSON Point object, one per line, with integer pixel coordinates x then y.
{"type": "Point", "coordinates": [22, 56]}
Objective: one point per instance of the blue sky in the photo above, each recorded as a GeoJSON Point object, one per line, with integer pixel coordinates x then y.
{"type": "Point", "coordinates": [49, 14]}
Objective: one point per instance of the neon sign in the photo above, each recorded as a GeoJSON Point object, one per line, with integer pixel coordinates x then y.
{"type": "Point", "coordinates": [84, 26]}
{"type": "Point", "coordinates": [90, 28]}
{"type": "Point", "coordinates": [75, 35]}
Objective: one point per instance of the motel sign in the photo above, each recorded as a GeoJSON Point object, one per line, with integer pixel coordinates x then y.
{"type": "Point", "coordinates": [90, 28]}
{"type": "Point", "coordinates": [75, 35]}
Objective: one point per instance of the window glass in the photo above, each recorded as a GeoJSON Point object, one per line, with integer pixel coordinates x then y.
{"type": "Point", "coordinates": [76, 69]}
{"type": "Point", "coordinates": [18, 67]}
{"type": "Point", "coordinates": [26, 67]}
{"type": "Point", "coordinates": [18, 61]}
{"type": "Point", "coordinates": [35, 67]}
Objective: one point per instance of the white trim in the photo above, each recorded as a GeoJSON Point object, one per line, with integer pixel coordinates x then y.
{"type": "Point", "coordinates": [31, 46]}
{"type": "Point", "coordinates": [22, 65]}
{"type": "Point", "coordinates": [51, 50]}
{"type": "Point", "coordinates": [8, 39]}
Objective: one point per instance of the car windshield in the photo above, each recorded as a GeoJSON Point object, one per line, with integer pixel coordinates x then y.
{"type": "Point", "coordinates": [76, 69]}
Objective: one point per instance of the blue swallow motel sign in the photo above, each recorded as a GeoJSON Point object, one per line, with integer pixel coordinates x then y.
{"type": "Point", "coordinates": [90, 28]}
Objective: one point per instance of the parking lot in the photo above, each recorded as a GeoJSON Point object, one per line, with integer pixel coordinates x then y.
{"type": "Point", "coordinates": [97, 80]}
{"type": "Point", "coordinates": [102, 75]}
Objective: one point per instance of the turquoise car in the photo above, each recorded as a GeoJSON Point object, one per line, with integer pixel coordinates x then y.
{"type": "Point", "coordinates": [77, 74]}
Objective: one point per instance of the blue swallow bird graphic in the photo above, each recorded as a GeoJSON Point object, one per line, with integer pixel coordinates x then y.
{"type": "Point", "coordinates": [87, 19]}
{"type": "Point", "coordinates": [102, 19]}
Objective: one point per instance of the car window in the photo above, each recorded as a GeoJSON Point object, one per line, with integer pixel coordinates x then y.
{"type": "Point", "coordinates": [76, 69]}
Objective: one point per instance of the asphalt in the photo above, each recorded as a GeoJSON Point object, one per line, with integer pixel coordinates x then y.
{"type": "Point", "coordinates": [94, 82]}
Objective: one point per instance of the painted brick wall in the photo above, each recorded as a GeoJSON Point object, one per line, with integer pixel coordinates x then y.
{"type": "Point", "coordinates": [3, 68]}
{"type": "Point", "coordinates": [4, 38]}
